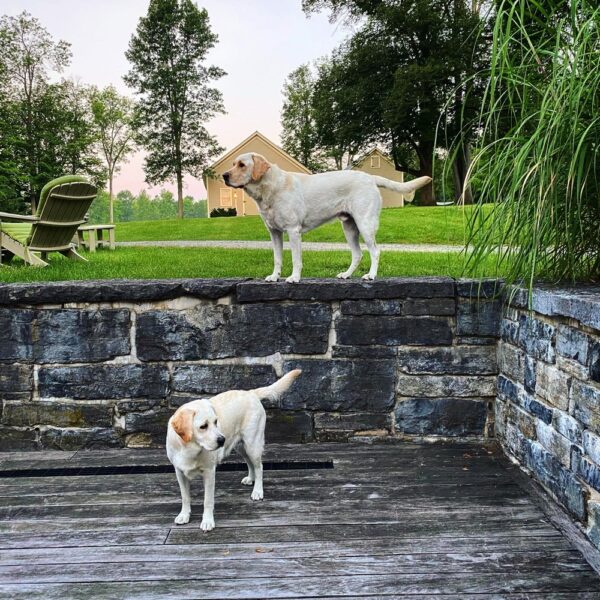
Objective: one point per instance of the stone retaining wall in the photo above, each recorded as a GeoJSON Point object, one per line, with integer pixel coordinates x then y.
{"type": "Point", "coordinates": [548, 406]}
{"type": "Point", "coordinates": [95, 364]}
{"type": "Point", "coordinates": [106, 363]}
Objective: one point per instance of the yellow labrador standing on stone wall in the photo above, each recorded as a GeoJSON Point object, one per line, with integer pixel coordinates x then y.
{"type": "Point", "coordinates": [296, 203]}
{"type": "Point", "coordinates": [202, 433]}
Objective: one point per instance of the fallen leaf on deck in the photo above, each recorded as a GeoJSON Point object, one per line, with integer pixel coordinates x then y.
{"type": "Point", "coordinates": [263, 550]}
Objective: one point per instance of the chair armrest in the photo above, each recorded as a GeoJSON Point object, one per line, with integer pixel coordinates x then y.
{"type": "Point", "coordinates": [12, 217]}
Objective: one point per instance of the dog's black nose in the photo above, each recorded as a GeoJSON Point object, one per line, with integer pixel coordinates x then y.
{"type": "Point", "coordinates": [220, 441]}
{"type": "Point", "coordinates": [225, 177]}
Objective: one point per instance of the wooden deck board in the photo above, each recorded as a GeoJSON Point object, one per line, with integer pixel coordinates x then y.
{"type": "Point", "coordinates": [396, 521]}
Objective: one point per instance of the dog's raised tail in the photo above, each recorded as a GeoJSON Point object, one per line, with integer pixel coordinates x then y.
{"type": "Point", "coordinates": [275, 391]}
{"type": "Point", "coordinates": [406, 187]}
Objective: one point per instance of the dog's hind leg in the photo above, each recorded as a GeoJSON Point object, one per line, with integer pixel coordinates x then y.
{"type": "Point", "coordinates": [351, 232]}
{"type": "Point", "coordinates": [249, 479]}
{"type": "Point", "coordinates": [257, 491]}
{"type": "Point", "coordinates": [254, 447]}
{"type": "Point", "coordinates": [374, 252]}
{"type": "Point", "coordinates": [367, 225]}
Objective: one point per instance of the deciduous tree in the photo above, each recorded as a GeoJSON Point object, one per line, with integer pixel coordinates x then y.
{"type": "Point", "coordinates": [398, 70]}
{"type": "Point", "coordinates": [64, 137]}
{"type": "Point", "coordinates": [168, 73]}
{"type": "Point", "coordinates": [113, 118]}
{"type": "Point", "coordinates": [29, 54]}
{"type": "Point", "coordinates": [299, 136]}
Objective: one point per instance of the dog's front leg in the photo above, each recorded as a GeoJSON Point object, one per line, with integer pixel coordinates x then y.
{"type": "Point", "coordinates": [208, 519]}
{"type": "Point", "coordinates": [184, 485]}
{"type": "Point", "coordinates": [277, 240]}
{"type": "Point", "coordinates": [296, 247]}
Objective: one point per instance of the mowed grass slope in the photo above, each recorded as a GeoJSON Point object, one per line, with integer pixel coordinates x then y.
{"type": "Point", "coordinates": [410, 225]}
{"type": "Point", "coordinates": [166, 263]}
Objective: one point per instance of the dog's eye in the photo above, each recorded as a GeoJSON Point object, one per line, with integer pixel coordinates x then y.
{"type": "Point", "coordinates": [242, 165]}
{"type": "Point", "coordinates": [204, 426]}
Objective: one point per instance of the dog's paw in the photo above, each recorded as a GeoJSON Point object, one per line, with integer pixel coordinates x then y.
{"type": "Point", "coordinates": [208, 524]}
{"type": "Point", "coordinates": [293, 279]}
{"type": "Point", "coordinates": [247, 481]}
{"type": "Point", "coordinates": [182, 518]}
{"type": "Point", "coordinates": [257, 495]}
{"type": "Point", "coordinates": [368, 277]}
{"type": "Point", "coordinates": [343, 275]}
{"type": "Point", "coordinates": [272, 278]}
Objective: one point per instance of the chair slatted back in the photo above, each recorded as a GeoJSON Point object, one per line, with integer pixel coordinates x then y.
{"type": "Point", "coordinates": [63, 212]}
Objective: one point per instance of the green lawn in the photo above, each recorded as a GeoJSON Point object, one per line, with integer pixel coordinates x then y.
{"type": "Point", "coordinates": [410, 225]}
{"type": "Point", "coordinates": [161, 263]}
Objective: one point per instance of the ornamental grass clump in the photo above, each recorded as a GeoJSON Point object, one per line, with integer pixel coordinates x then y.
{"type": "Point", "coordinates": [538, 149]}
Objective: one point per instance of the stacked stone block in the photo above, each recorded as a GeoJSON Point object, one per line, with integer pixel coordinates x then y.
{"type": "Point", "coordinates": [92, 364]}
{"type": "Point", "coordinates": [548, 405]}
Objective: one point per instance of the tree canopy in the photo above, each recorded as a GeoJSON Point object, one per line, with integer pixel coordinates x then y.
{"type": "Point", "coordinates": [143, 207]}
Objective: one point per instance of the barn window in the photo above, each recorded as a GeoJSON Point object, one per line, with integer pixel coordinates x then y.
{"type": "Point", "coordinates": [375, 161]}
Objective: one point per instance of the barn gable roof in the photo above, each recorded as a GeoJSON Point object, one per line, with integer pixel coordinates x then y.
{"type": "Point", "coordinates": [237, 150]}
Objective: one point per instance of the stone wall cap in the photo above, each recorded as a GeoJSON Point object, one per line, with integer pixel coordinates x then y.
{"type": "Point", "coordinates": [349, 289]}
{"type": "Point", "coordinates": [113, 290]}
{"type": "Point", "coordinates": [580, 302]}
{"type": "Point", "coordinates": [248, 290]}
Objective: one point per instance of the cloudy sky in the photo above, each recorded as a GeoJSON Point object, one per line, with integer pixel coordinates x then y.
{"type": "Point", "coordinates": [260, 42]}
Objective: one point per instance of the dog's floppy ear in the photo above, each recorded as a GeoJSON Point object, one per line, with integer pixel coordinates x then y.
{"type": "Point", "coordinates": [261, 166]}
{"type": "Point", "coordinates": [182, 423]}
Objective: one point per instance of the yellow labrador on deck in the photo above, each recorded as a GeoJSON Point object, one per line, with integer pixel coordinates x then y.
{"type": "Point", "coordinates": [202, 433]}
{"type": "Point", "coordinates": [296, 203]}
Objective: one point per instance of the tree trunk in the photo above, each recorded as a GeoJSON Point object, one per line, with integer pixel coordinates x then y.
{"type": "Point", "coordinates": [111, 208]}
{"type": "Point", "coordinates": [179, 195]}
{"type": "Point", "coordinates": [32, 171]}
{"type": "Point", "coordinates": [460, 167]}
{"type": "Point", "coordinates": [456, 179]}
{"type": "Point", "coordinates": [426, 194]}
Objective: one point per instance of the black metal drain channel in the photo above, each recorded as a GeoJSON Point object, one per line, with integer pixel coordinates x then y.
{"type": "Point", "coordinates": [284, 465]}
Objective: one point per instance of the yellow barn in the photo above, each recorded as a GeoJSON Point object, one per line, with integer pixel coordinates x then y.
{"type": "Point", "coordinates": [376, 162]}
{"type": "Point", "coordinates": [221, 196]}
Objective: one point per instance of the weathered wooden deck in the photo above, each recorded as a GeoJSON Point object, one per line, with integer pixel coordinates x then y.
{"type": "Point", "coordinates": [398, 520]}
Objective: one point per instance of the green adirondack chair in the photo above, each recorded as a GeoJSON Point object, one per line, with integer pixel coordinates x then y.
{"type": "Point", "coordinates": [63, 205]}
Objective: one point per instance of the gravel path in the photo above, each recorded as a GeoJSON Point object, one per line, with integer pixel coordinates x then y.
{"type": "Point", "coordinates": [319, 246]}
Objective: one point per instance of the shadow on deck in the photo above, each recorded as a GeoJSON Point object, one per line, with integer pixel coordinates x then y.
{"type": "Point", "coordinates": [398, 520]}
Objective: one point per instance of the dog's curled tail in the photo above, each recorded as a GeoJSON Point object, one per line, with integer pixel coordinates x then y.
{"type": "Point", "coordinates": [273, 392]}
{"type": "Point", "coordinates": [407, 187]}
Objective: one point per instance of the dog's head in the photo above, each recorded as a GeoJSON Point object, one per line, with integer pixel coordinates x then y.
{"type": "Point", "coordinates": [247, 168]}
{"type": "Point", "coordinates": [199, 424]}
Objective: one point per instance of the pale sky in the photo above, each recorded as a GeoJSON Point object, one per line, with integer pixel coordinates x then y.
{"type": "Point", "coordinates": [260, 43]}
